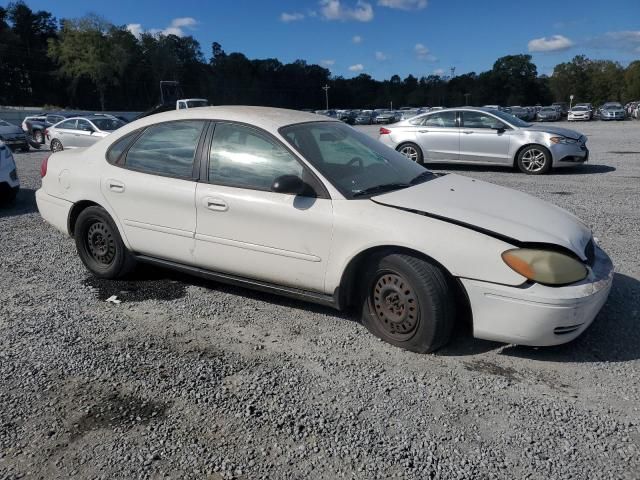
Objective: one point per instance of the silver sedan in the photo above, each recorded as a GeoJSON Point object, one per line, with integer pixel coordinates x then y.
{"type": "Point", "coordinates": [80, 132]}
{"type": "Point", "coordinates": [485, 137]}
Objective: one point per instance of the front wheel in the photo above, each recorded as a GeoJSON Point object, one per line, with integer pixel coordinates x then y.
{"type": "Point", "coordinates": [534, 160]}
{"type": "Point", "coordinates": [100, 246]}
{"type": "Point", "coordinates": [56, 145]}
{"type": "Point", "coordinates": [411, 151]}
{"type": "Point", "coordinates": [408, 303]}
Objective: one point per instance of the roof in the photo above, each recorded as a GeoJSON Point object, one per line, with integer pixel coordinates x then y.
{"type": "Point", "coordinates": [267, 118]}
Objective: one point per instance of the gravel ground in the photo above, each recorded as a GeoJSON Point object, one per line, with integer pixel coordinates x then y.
{"type": "Point", "coordinates": [192, 379]}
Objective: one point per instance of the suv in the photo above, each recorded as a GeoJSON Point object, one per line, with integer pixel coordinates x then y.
{"type": "Point", "coordinates": [13, 136]}
{"type": "Point", "coordinates": [9, 183]}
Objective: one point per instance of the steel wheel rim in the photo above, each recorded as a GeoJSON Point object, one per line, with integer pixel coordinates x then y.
{"type": "Point", "coordinates": [410, 152]}
{"type": "Point", "coordinates": [534, 160]}
{"type": "Point", "coordinates": [100, 243]}
{"type": "Point", "coordinates": [56, 146]}
{"type": "Point", "coordinates": [395, 305]}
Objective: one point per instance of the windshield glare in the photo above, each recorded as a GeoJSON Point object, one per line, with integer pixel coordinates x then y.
{"type": "Point", "coordinates": [352, 161]}
{"type": "Point", "coordinates": [107, 124]}
{"type": "Point", "coordinates": [512, 119]}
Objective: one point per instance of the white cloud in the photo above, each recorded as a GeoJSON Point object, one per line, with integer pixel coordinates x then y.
{"type": "Point", "coordinates": [334, 10]}
{"type": "Point", "coordinates": [291, 17]}
{"type": "Point", "coordinates": [381, 56]}
{"type": "Point", "coordinates": [328, 62]}
{"type": "Point", "coordinates": [135, 29]}
{"type": "Point", "coordinates": [554, 43]}
{"type": "Point", "coordinates": [423, 53]}
{"type": "Point", "coordinates": [404, 4]}
{"type": "Point", "coordinates": [439, 72]}
{"type": "Point", "coordinates": [623, 40]}
{"type": "Point", "coordinates": [358, 67]}
{"type": "Point", "coordinates": [176, 27]}
{"type": "Point", "coordinates": [357, 39]}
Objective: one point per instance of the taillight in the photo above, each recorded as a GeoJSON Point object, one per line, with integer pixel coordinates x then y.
{"type": "Point", "coordinates": [46, 132]}
{"type": "Point", "coordinates": [43, 167]}
{"type": "Point", "coordinates": [384, 131]}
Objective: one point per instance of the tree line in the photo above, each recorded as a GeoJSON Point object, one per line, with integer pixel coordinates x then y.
{"type": "Point", "coordinates": [89, 63]}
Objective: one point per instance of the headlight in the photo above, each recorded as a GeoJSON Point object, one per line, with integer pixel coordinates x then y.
{"type": "Point", "coordinates": [563, 140]}
{"type": "Point", "coordinates": [545, 266]}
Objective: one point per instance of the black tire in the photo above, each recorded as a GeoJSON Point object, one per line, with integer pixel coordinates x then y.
{"type": "Point", "coordinates": [534, 160]}
{"type": "Point", "coordinates": [100, 246]}
{"type": "Point", "coordinates": [8, 195]}
{"type": "Point", "coordinates": [411, 151]}
{"type": "Point", "coordinates": [56, 145]}
{"type": "Point", "coordinates": [408, 303]}
{"type": "Point", "coordinates": [38, 136]}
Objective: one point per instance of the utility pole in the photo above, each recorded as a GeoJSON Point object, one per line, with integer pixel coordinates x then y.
{"type": "Point", "coordinates": [453, 72]}
{"type": "Point", "coordinates": [326, 95]}
{"type": "Point", "coordinates": [466, 99]}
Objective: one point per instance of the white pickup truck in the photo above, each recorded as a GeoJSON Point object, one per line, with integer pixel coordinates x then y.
{"type": "Point", "coordinates": [191, 103]}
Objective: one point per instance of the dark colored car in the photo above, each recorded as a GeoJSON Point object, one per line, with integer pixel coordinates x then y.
{"type": "Point", "coordinates": [13, 136]}
{"type": "Point", "coordinates": [365, 118]}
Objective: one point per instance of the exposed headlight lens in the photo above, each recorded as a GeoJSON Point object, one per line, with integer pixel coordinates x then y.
{"type": "Point", "coordinates": [545, 266]}
{"type": "Point", "coordinates": [564, 140]}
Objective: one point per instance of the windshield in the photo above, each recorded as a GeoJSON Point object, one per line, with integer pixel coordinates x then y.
{"type": "Point", "coordinates": [4, 124]}
{"type": "Point", "coordinates": [512, 119]}
{"type": "Point", "coordinates": [579, 109]}
{"type": "Point", "coordinates": [353, 162]}
{"type": "Point", "coordinates": [107, 124]}
{"type": "Point", "coordinates": [612, 107]}
{"type": "Point", "coordinates": [548, 109]}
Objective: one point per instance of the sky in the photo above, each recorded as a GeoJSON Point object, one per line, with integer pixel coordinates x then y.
{"type": "Point", "coordinates": [386, 37]}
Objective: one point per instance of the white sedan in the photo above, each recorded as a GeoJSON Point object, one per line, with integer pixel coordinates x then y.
{"type": "Point", "coordinates": [306, 206]}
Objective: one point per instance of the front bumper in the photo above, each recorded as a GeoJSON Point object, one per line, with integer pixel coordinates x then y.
{"type": "Point", "coordinates": [539, 315]}
{"type": "Point", "coordinates": [568, 154]}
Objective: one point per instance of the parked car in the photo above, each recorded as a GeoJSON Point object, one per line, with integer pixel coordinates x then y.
{"type": "Point", "coordinates": [519, 112]}
{"type": "Point", "coordinates": [347, 116]}
{"type": "Point", "coordinates": [13, 136]}
{"type": "Point", "coordinates": [388, 116]}
{"type": "Point", "coordinates": [579, 112]}
{"type": "Point", "coordinates": [80, 131]}
{"type": "Point", "coordinates": [33, 127]}
{"type": "Point", "coordinates": [486, 137]}
{"type": "Point", "coordinates": [548, 114]}
{"type": "Point", "coordinates": [365, 118]}
{"type": "Point", "coordinates": [589, 107]}
{"type": "Point", "coordinates": [36, 128]}
{"type": "Point", "coordinates": [612, 111]}
{"type": "Point", "coordinates": [283, 201]}
{"type": "Point", "coordinates": [562, 106]}
{"type": "Point", "coordinates": [327, 113]}
{"type": "Point", "coordinates": [9, 182]}
{"type": "Point", "coordinates": [407, 114]}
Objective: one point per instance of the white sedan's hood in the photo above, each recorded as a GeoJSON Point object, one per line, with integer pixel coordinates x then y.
{"type": "Point", "coordinates": [493, 209]}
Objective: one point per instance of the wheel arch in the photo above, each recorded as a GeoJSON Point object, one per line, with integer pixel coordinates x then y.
{"type": "Point", "coordinates": [75, 212]}
{"type": "Point", "coordinates": [531, 144]}
{"type": "Point", "coordinates": [348, 295]}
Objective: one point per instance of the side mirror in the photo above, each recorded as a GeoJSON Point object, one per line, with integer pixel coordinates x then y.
{"type": "Point", "coordinates": [290, 184]}
{"type": "Point", "coordinates": [500, 128]}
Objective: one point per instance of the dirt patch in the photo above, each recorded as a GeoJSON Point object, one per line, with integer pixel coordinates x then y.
{"type": "Point", "coordinates": [484, 366]}
{"type": "Point", "coordinates": [117, 411]}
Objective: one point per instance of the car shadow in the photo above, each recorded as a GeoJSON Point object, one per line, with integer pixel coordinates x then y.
{"type": "Point", "coordinates": [578, 170]}
{"type": "Point", "coordinates": [154, 282]}
{"type": "Point", "coordinates": [24, 204]}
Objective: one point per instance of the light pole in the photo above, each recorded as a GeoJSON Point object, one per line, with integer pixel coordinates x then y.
{"type": "Point", "coordinates": [326, 95]}
{"type": "Point", "coordinates": [466, 99]}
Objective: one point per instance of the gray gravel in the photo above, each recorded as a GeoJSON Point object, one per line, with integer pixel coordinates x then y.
{"type": "Point", "coordinates": [192, 379]}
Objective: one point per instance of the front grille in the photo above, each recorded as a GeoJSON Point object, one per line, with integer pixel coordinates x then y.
{"type": "Point", "coordinates": [590, 252]}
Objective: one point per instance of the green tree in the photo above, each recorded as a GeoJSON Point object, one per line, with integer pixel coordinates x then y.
{"type": "Point", "coordinates": [632, 81]}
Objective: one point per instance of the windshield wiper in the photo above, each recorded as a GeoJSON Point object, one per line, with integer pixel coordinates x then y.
{"type": "Point", "coordinates": [385, 187]}
{"type": "Point", "coordinates": [422, 177]}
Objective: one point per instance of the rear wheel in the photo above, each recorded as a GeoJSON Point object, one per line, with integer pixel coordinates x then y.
{"type": "Point", "coordinates": [56, 145]}
{"type": "Point", "coordinates": [534, 160]}
{"type": "Point", "coordinates": [100, 246]}
{"type": "Point", "coordinates": [408, 303]}
{"type": "Point", "coordinates": [411, 151]}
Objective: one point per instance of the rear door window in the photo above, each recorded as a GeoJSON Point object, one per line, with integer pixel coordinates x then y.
{"type": "Point", "coordinates": [167, 149]}
{"type": "Point", "coordinates": [441, 119]}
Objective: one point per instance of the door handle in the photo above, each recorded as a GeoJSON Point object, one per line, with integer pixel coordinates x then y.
{"type": "Point", "coordinates": [423, 131]}
{"type": "Point", "coordinates": [216, 204]}
{"type": "Point", "coordinates": [115, 186]}
{"type": "Point", "coordinates": [467, 132]}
